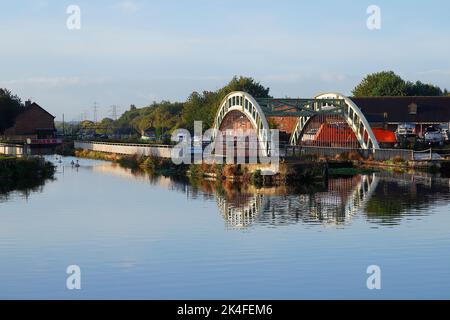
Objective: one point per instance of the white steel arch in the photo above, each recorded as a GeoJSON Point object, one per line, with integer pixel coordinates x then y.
{"type": "Point", "coordinates": [361, 194]}
{"type": "Point", "coordinates": [354, 117]}
{"type": "Point", "coordinates": [246, 104]}
{"type": "Point", "coordinates": [244, 215]}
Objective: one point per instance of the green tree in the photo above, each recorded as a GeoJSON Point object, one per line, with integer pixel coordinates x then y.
{"type": "Point", "coordinates": [106, 126]}
{"type": "Point", "coordinates": [423, 89]}
{"type": "Point", "coordinates": [246, 84]}
{"type": "Point", "coordinates": [203, 107]}
{"type": "Point", "coordinates": [166, 116]}
{"type": "Point", "coordinates": [385, 83]}
{"type": "Point", "coordinates": [10, 107]}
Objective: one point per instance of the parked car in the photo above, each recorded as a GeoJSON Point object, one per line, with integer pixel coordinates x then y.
{"type": "Point", "coordinates": [444, 127]}
{"type": "Point", "coordinates": [433, 136]}
{"type": "Point", "coordinates": [406, 129]}
{"type": "Point", "coordinates": [445, 134]}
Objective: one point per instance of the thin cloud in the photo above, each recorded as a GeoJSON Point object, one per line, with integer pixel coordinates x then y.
{"type": "Point", "coordinates": [127, 6]}
{"type": "Point", "coordinates": [435, 72]}
{"type": "Point", "coordinates": [331, 77]}
{"type": "Point", "coordinates": [52, 82]}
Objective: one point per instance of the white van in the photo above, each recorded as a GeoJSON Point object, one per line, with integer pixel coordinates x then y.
{"type": "Point", "coordinates": [406, 129]}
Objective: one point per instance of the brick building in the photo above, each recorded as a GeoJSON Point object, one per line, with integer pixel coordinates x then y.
{"type": "Point", "coordinates": [389, 112]}
{"type": "Point", "coordinates": [34, 125]}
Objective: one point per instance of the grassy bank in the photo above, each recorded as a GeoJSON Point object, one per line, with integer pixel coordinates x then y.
{"type": "Point", "coordinates": [288, 173]}
{"type": "Point", "coordinates": [24, 173]}
{"type": "Point", "coordinates": [154, 165]}
{"type": "Point", "coordinates": [304, 170]}
{"type": "Point", "coordinates": [97, 155]}
{"type": "Point", "coordinates": [349, 171]}
{"type": "Point", "coordinates": [243, 174]}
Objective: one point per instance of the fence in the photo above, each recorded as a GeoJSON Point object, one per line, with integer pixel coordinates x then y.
{"type": "Point", "coordinates": [427, 155]}
{"type": "Point", "coordinates": [161, 151]}
{"type": "Point", "coordinates": [388, 154]}
{"type": "Point", "coordinates": [288, 151]}
{"type": "Point", "coordinates": [379, 154]}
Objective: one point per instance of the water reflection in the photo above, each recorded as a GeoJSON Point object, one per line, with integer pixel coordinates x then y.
{"type": "Point", "coordinates": [162, 238]}
{"type": "Point", "coordinates": [335, 203]}
{"type": "Point", "coordinates": [241, 210]}
{"type": "Point", "coordinates": [21, 190]}
{"type": "Point", "coordinates": [383, 198]}
{"type": "Point", "coordinates": [116, 170]}
{"type": "Point", "coordinates": [405, 195]}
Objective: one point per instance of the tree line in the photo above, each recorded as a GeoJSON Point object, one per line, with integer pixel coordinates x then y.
{"type": "Point", "coordinates": [387, 83]}
{"type": "Point", "coordinates": [203, 106]}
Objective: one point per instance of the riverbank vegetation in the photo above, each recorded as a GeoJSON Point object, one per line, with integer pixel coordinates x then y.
{"type": "Point", "coordinates": [305, 169]}
{"type": "Point", "coordinates": [24, 173]}
{"type": "Point", "coordinates": [288, 173]}
{"type": "Point", "coordinates": [154, 165]}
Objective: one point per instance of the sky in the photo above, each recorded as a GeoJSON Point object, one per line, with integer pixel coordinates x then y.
{"type": "Point", "coordinates": [136, 52]}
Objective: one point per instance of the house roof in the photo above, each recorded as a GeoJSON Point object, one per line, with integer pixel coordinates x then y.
{"type": "Point", "coordinates": [397, 109]}
{"type": "Point", "coordinates": [35, 105]}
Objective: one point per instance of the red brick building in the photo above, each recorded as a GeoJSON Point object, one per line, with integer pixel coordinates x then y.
{"type": "Point", "coordinates": [34, 125]}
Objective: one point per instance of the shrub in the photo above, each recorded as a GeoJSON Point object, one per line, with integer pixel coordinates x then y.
{"type": "Point", "coordinates": [257, 178]}
{"type": "Point", "coordinates": [129, 162]}
{"type": "Point", "coordinates": [230, 170]}
{"type": "Point", "coordinates": [246, 176]}
{"type": "Point", "coordinates": [151, 163]}
{"type": "Point", "coordinates": [206, 168]}
{"type": "Point", "coordinates": [341, 157]}
{"type": "Point", "coordinates": [218, 169]}
{"type": "Point", "coordinates": [398, 159]}
{"type": "Point", "coordinates": [309, 157]}
{"type": "Point", "coordinates": [194, 170]}
{"type": "Point", "coordinates": [354, 156]}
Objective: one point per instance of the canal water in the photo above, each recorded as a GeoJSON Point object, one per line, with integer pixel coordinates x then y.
{"type": "Point", "coordinates": [140, 237]}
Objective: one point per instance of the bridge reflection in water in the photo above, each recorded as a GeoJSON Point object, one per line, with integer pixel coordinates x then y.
{"type": "Point", "coordinates": [383, 198]}
{"type": "Point", "coordinates": [334, 204]}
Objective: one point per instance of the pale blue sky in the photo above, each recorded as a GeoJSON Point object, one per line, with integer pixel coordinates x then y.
{"type": "Point", "coordinates": [135, 51]}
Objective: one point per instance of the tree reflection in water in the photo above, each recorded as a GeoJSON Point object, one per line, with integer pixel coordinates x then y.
{"type": "Point", "coordinates": [383, 198]}
{"type": "Point", "coordinates": [22, 188]}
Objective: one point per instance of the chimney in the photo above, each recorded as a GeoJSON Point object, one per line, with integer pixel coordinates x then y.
{"type": "Point", "coordinates": [28, 103]}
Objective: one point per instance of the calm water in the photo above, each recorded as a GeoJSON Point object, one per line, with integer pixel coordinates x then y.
{"type": "Point", "coordinates": [140, 237]}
